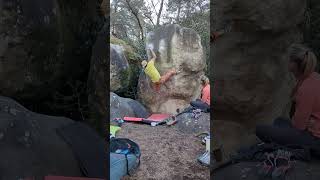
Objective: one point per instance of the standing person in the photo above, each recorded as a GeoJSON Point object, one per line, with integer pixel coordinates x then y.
{"type": "Point", "coordinates": [152, 72]}
{"type": "Point", "coordinates": [303, 129]}
{"type": "Point", "coordinates": [204, 102]}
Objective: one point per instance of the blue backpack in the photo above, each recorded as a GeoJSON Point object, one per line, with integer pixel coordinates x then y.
{"type": "Point", "coordinates": [124, 157]}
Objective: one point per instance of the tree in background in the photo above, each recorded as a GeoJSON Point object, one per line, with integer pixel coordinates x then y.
{"type": "Point", "coordinates": [193, 14]}
{"type": "Point", "coordinates": [184, 9]}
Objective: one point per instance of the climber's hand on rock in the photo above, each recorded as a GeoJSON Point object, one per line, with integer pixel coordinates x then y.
{"type": "Point", "coordinates": [153, 54]}
{"type": "Point", "coordinates": [179, 70]}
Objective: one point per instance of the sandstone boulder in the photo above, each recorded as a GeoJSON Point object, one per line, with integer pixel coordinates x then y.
{"type": "Point", "coordinates": [252, 82]}
{"type": "Point", "coordinates": [98, 80]}
{"type": "Point", "coordinates": [30, 145]}
{"type": "Point", "coordinates": [231, 136]}
{"type": "Point", "coordinates": [119, 68]}
{"type": "Point", "coordinates": [124, 67]}
{"type": "Point", "coordinates": [121, 107]}
{"type": "Point", "coordinates": [180, 48]}
{"type": "Point", "coordinates": [43, 45]}
{"type": "Point", "coordinates": [190, 125]}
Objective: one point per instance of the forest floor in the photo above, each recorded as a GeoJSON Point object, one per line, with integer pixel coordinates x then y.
{"type": "Point", "coordinates": [166, 153]}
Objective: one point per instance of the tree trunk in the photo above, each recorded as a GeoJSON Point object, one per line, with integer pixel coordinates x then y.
{"type": "Point", "coordinates": [188, 9]}
{"type": "Point", "coordinates": [141, 28]}
{"type": "Point", "coordinates": [179, 9]}
{"type": "Point", "coordinates": [149, 17]}
{"type": "Point", "coordinates": [159, 14]}
{"type": "Point", "coordinates": [115, 11]}
{"type": "Point", "coordinates": [136, 15]}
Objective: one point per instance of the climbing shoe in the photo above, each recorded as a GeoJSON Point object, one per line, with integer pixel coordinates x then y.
{"type": "Point", "coordinates": [267, 166]}
{"type": "Point", "coordinates": [282, 163]}
{"type": "Point", "coordinates": [204, 159]}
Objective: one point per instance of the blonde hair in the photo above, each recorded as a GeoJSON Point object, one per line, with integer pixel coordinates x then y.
{"type": "Point", "coordinates": [204, 80]}
{"type": "Point", "coordinates": [306, 61]}
{"type": "Point", "coordinates": [304, 57]}
{"type": "Point", "coordinates": [144, 63]}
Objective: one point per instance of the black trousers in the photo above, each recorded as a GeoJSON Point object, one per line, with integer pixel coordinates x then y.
{"type": "Point", "coordinates": [283, 133]}
{"type": "Point", "coordinates": [198, 104]}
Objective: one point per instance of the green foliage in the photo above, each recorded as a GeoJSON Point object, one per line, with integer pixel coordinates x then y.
{"type": "Point", "coordinates": [133, 52]}
{"type": "Point", "coordinates": [114, 40]}
{"type": "Point", "coordinates": [129, 51]}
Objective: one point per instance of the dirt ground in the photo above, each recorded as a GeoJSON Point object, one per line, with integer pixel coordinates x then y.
{"type": "Point", "coordinates": [166, 153]}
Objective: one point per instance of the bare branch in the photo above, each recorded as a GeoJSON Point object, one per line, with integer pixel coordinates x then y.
{"type": "Point", "coordinates": [159, 14]}
{"type": "Point", "coordinates": [136, 14]}
{"type": "Point", "coordinates": [149, 17]}
{"type": "Point", "coordinates": [154, 7]}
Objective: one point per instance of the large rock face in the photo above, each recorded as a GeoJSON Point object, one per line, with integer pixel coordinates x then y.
{"type": "Point", "coordinates": [43, 44]}
{"type": "Point", "coordinates": [121, 107]}
{"type": "Point", "coordinates": [252, 83]}
{"type": "Point", "coordinates": [124, 68]}
{"type": "Point", "coordinates": [180, 48]}
{"type": "Point", "coordinates": [188, 124]}
{"type": "Point", "coordinates": [98, 82]}
{"type": "Point", "coordinates": [30, 146]}
{"type": "Point", "coordinates": [119, 68]}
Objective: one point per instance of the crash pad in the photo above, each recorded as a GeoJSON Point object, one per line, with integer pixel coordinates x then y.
{"type": "Point", "coordinates": [158, 117]}
{"type": "Point", "coordinates": [134, 119]}
{"type": "Point", "coordinates": [114, 130]}
{"type": "Point", "coordinates": [150, 119]}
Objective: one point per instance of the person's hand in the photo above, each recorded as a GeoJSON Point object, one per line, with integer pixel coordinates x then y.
{"type": "Point", "coordinates": [153, 54]}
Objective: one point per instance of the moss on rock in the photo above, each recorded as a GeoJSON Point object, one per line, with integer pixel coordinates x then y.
{"type": "Point", "coordinates": [128, 77]}
{"type": "Point", "coordinates": [129, 51]}
{"type": "Point", "coordinates": [125, 76]}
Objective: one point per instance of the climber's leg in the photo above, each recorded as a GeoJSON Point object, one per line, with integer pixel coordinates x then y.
{"type": "Point", "coordinates": [167, 76]}
{"type": "Point", "coordinates": [156, 86]}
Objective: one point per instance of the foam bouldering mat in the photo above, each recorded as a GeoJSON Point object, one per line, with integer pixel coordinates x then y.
{"type": "Point", "coordinates": [114, 130]}
{"type": "Point", "coordinates": [133, 119]}
{"type": "Point", "coordinates": [158, 117]}
{"type": "Point", "coordinates": [88, 147]}
{"type": "Point", "coordinates": [149, 120]}
{"type": "Point", "coordinates": [68, 178]}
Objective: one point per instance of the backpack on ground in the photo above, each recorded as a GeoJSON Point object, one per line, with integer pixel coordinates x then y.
{"type": "Point", "coordinates": [124, 157]}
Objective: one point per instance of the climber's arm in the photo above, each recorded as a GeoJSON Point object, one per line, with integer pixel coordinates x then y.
{"type": "Point", "coordinates": [154, 57]}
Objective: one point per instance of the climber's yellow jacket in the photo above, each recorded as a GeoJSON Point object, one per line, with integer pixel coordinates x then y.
{"type": "Point", "coordinates": [152, 72]}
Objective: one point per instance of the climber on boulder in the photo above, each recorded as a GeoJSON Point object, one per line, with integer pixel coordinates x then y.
{"type": "Point", "coordinates": [150, 70]}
